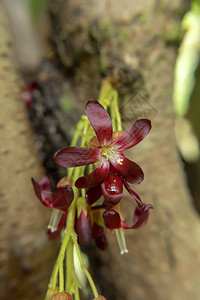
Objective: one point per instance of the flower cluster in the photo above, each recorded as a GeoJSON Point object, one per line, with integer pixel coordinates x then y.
{"type": "Point", "coordinates": [114, 170]}
{"type": "Point", "coordinates": [90, 204]}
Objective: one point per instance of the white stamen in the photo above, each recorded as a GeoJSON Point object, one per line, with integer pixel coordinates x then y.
{"type": "Point", "coordinates": [120, 161]}
{"type": "Point", "coordinates": [121, 241]}
{"type": "Point", "coordinates": [54, 220]}
{"type": "Point", "coordinates": [110, 154]}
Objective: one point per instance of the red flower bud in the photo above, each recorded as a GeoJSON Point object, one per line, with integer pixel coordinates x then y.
{"type": "Point", "coordinates": [83, 228]}
{"type": "Point", "coordinates": [112, 189]}
{"type": "Point", "coordinates": [112, 219]}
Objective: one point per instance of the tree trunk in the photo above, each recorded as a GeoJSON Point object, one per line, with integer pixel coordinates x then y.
{"type": "Point", "coordinates": [25, 258]}
{"type": "Point", "coordinates": [129, 43]}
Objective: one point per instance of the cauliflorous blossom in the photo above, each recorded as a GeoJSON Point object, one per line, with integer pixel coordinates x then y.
{"type": "Point", "coordinates": [107, 148]}
{"type": "Point", "coordinates": [60, 200]}
{"type": "Point", "coordinates": [113, 221]}
{"type": "Point", "coordinates": [112, 191]}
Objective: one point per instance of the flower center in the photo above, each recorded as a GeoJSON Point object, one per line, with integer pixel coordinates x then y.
{"type": "Point", "coordinates": [109, 153]}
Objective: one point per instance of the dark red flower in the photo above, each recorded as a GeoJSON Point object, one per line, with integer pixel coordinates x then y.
{"type": "Point", "coordinates": [60, 199]}
{"type": "Point", "coordinates": [112, 191]}
{"type": "Point", "coordinates": [113, 221]}
{"type": "Point", "coordinates": [62, 222]}
{"type": "Point", "coordinates": [107, 147]}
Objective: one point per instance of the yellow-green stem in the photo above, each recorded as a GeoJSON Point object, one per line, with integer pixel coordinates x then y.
{"type": "Point", "coordinates": [116, 108]}
{"type": "Point", "coordinates": [69, 264]}
{"type": "Point", "coordinates": [61, 275]}
{"type": "Point", "coordinates": [89, 277]}
{"type": "Point", "coordinates": [54, 276]}
{"type": "Point", "coordinates": [77, 297]}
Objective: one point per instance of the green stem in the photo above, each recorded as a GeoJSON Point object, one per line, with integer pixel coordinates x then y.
{"type": "Point", "coordinates": [89, 277]}
{"type": "Point", "coordinates": [54, 276]}
{"type": "Point", "coordinates": [117, 114]}
{"type": "Point", "coordinates": [113, 120]}
{"type": "Point", "coordinates": [61, 275]}
{"type": "Point", "coordinates": [105, 94]}
{"type": "Point", "coordinates": [69, 230]}
{"type": "Point", "coordinates": [69, 264]}
{"type": "Point", "coordinates": [77, 296]}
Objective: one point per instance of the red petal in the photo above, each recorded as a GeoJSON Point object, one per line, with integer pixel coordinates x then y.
{"type": "Point", "coordinates": [76, 156]}
{"type": "Point", "coordinates": [129, 170]}
{"type": "Point", "coordinates": [112, 189]}
{"type": "Point", "coordinates": [93, 194]}
{"type": "Point", "coordinates": [133, 135]}
{"type": "Point", "coordinates": [112, 219]}
{"type": "Point", "coordinates": [100, 121]}
{"type": "Point", "coordinates": [133, 194]}
{"type": "Point", "coordinates": [43, 191]}
{"type": "Point", "coordinates": [45, 184]}
{"type": "Point", "coordinates": [140, 217]}
{"type": "Point", "coordinates": [95, 178]}
{"type": "Point", "coordinates": [63, 197]}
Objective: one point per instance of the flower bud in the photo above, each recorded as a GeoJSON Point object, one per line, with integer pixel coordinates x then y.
{"type": "Point", "coordinates": [62, 296]}
{"type": "Point", "coordinates": [100, 298]}
{"type": "Point", "coordinates": [112, 189]}
{"type": "Point", "coordinates": [83, 228]}
{"type": "Point", "coordinates": [112, 219]}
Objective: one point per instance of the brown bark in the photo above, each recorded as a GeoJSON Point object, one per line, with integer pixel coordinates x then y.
{"type": "Point", "coordinates": [125, 41]}
{"type": "Point", "coordinates": [163, 260]}
{"type": "Point", "coordinates": [25, 259]}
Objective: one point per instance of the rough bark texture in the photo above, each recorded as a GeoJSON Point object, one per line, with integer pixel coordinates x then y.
{"type": "Point", "coordinates": [25, 258]}
{"type": "Point", "coordinates": [127, 41]}
{"type": "Point", "coordinates": [103, 39]}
